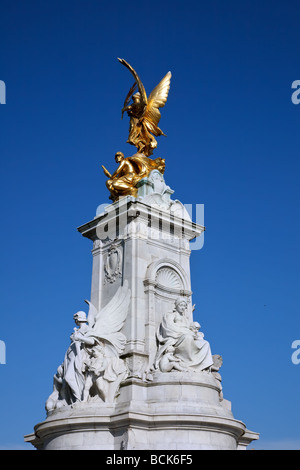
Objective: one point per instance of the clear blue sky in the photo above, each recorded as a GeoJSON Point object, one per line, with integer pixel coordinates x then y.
{"type": "Point", "coordinates": [233, 145]}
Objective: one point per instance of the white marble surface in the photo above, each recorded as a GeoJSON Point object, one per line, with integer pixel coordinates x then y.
{"type": "Point", "coordinates": [174, 411]}
{"type": "Point", "coordinates": [171, 395]}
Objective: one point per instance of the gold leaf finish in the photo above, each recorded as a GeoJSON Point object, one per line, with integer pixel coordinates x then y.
{"type": "Point", "coordinates": [144, 112]}
{"type": "Point", "coordinates": [129, 172]}
{"type": "Point", "coordinates": [144, 117]}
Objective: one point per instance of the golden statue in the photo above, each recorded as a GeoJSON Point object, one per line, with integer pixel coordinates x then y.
{"type": "Point", "coordinates": [144, 112]}
{"type": "Point", "coordinates": [129, 172]}
{"type": "Point", "coordinates": [144, 118]}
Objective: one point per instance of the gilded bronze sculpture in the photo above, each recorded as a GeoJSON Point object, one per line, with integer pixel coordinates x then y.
{"type": "Point", "coordinates": [144, 117]}
{"type": "Point", "coordinates": [129, 172]}
{"type": "Point", "coordinates": [144, 112]}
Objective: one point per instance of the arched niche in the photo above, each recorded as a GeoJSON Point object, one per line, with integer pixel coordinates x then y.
{"type": "Point", "coordinates": [165, 281]}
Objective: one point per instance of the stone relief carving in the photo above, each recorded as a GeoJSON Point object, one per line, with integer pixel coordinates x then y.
{"type": "Point", "coordinates": [113, 265]}
{"type": "Point", "coordinates": [92, 368]}
{"type": "Point", "coordinates": [154, 192]}
{"type": "Point", "coordinates": [218, 362]}
{"type": "Point", "coordinates": [96, 244]}
{"type": "Point", "coordinates": [167, 277]}
{"type": "Point", "coordinates": [136, 364]}
{"type": "Point", "coordinates": [181, 346]}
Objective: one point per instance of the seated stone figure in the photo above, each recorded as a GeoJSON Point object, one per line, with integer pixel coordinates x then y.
{"type": "Point", "coordinates": [189, 345]}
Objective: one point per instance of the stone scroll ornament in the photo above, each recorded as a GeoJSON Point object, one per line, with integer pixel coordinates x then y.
{"type": "Point", "coordinates": [92, 368]}
{"type": "Point", "coordinates": [181, 346]}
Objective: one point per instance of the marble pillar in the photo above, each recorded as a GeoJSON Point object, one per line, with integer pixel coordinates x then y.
{"type": "Point", "coordinates": [139, 373]}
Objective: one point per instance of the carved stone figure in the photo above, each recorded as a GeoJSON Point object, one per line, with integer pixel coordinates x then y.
{"type": "Point", "coordinates": [56, 396]}
{"type": "Point", "coordinates": [154, 191]}
{"type": "Point", "coordinates": [218, 362]}
{"type": "Point", "coordinates": [103, 374]}
{"type": "Point", "coordinates": [92, 366]}
{"type": "Point", "coordinates": [72, 365]}
{"type": "Point", "coordinates": [68, 383]}
{"type": "Point", "coordinates": [169, 362]}
{"type": "Point", "coordinates": [189, 345]}
{"type": "Point", "coordinates": [159, 185]}
{"type": "Point", "coordinates": [158, 193]}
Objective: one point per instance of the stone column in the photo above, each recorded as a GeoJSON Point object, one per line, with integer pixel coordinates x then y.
{"type": "Point", "coordinates": [141, 252]}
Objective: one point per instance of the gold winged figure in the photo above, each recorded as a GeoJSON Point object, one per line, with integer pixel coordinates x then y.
{"type": "Point", "coordinates": [144, 112]}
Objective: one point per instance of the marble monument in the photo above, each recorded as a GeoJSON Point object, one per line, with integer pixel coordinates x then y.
{"type": "Point", "coordinates": [139, 373]}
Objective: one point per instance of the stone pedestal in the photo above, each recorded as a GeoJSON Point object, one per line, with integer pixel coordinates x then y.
{"type": "Point", "coordinates": [141, 252]}
{"type": "Point", "coordinates": [174, 411]}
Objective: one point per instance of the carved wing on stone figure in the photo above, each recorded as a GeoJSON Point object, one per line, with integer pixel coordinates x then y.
{"type": "Point", "coordinates": [91, 314]}
{"type": "Point", "coordinates": [107, 323]}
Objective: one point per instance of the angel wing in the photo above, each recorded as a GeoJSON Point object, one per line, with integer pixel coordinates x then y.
{"type": "Point", "coordinates": [157, 99]}
{"type": "Point", "coordinates": [109, 320]}
{"type": "Point", "coordinates": [91, 314]}
{"type": "Point", "coordinates": [138, 81]}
